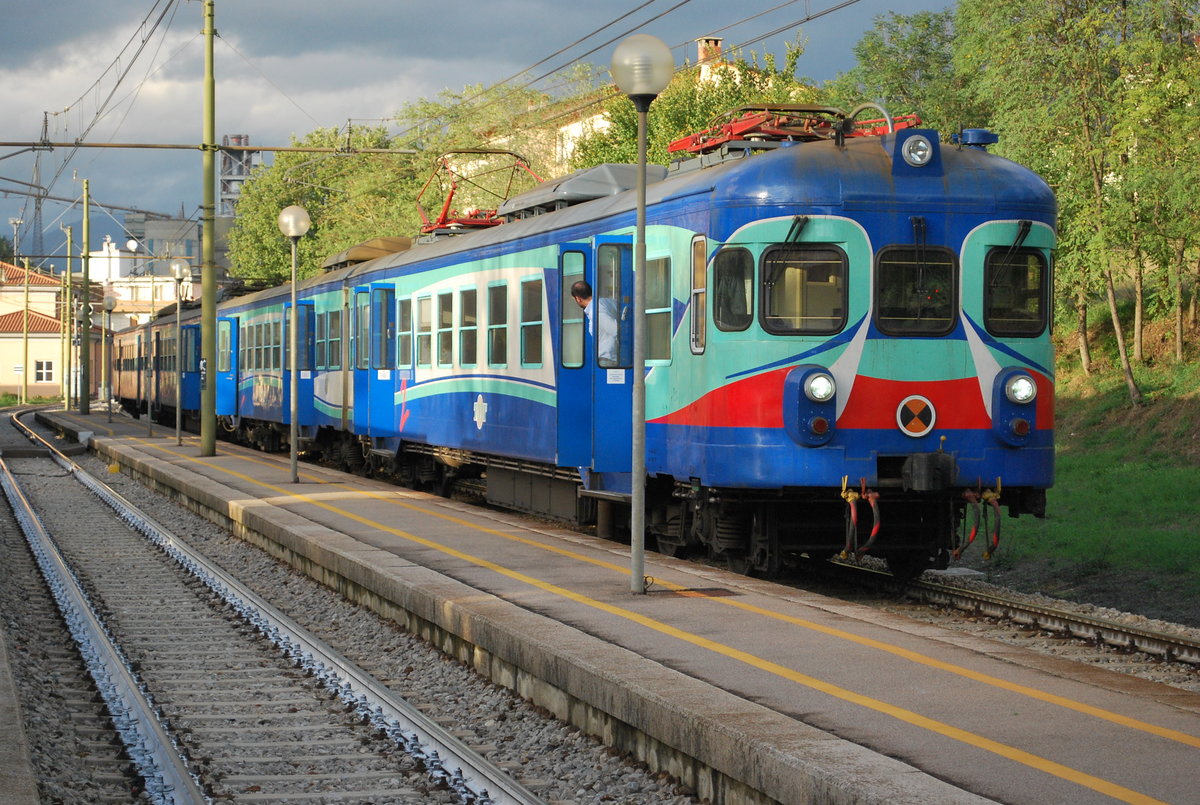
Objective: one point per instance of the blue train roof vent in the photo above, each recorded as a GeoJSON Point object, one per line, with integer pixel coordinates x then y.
{"type": "Point", "coordinates": [975, 138]}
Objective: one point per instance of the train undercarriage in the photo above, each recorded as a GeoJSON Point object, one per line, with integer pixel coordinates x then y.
{"type": "Point", "coordinates": [764, 533]}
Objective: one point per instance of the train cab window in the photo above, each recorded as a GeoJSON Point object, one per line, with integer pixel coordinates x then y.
{"type": "Point", "coordinates": [468, 327]}
{"type": "Point", "coordinates": [531, 322]}
{"type": "Point", "coordinates": [445, 329]}
{"type": "Point", "coordinates": [498, 325]}
{"type": "Point", "coordinates": [333, 355]}
{"type": "Point", "coordinates": [362, 330]}
{"type": "Point", "coordinates": [699, 293]}
{"type": "Point", "coordinates": [659, 309]}
{"type": "Point", "coordinates": [1015, 292]}
{"type": "Point", "coordinates": [915, 291]}
{"type": "Point", "coordinates": [804, 289]}
{"type": "Point", "coordinates": [424, 331]}
{"type": "Point", "coordinates": [383, 328]}
{"type": "Point", "coordinates": [404, 337]}
{"type": "Point", "coordinates": [733, 290]}
{"type": "Point", "coordinates": [571, 326]}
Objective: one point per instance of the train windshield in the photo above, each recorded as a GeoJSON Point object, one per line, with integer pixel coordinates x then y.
{"type": "Point", "coordinates": [804, 289]}
{"type": "Point", "coordinates": [915, 291]}
{"type": "Point", "coordinates": [1015, 292]}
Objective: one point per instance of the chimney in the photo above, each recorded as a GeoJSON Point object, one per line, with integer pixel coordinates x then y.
{"type": "Point", "coordinates": [708, 48]}
{"type": "Point", "coordinates": [708, 55]}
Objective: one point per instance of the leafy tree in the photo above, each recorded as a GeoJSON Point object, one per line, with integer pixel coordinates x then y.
{"type": "Point", "coordinates": [6, 248]}
{"type": "Point", "coordinates": [690, 104]}
{"type": "Point", "coordinates": [1047, 69]}
{"type": "Point", "coordinates": [906, 64]}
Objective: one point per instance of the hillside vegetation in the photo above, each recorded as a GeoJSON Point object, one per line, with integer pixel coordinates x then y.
{"type": "Point", "coordinates": [1121, 521]}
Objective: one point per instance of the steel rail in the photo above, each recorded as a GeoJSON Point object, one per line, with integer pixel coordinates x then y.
{"type": "Point", "coordinates": [477, 780]}
{"type": "Point", "coordinates": [151, 748]}
{"type": "Point", "coordinates": [1167, 645]}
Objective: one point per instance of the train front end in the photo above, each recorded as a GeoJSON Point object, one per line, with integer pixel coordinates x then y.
{"type": "Point", "coordinates": [878, 379]}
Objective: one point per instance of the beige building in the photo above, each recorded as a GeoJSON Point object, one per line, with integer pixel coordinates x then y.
{"type": "Point", "coordinates": [32, 352]}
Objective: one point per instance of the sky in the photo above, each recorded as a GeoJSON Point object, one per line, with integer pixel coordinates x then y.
{"type": "Point", "coordinates": [131, 71]}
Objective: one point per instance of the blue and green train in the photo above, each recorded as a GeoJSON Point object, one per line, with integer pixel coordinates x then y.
{"type": "Point", "coordinates": [847, 348]}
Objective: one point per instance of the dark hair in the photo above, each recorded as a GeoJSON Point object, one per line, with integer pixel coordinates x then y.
{"type": "Point", "coordinates": [581, 290]}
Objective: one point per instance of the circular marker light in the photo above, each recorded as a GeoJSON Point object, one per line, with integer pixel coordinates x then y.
{"type": "Point", "coordinates": [820, 387]}
{"type": "Point", "coordinates": [1020, 389]}
{"type": "Point", "coordinates": [917, 150]}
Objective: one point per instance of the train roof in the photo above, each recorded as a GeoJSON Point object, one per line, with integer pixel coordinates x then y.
{"type": "Point", "coordinates": [586, 184]}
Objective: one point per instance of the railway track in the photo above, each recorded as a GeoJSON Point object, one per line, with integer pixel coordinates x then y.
{"type": "Point", "coordinates": [1165, 645]}
{"type": "Point", "coordinates": [216, 694]}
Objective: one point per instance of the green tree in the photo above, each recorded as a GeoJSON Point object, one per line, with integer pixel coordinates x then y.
{"type": "Point", "coordinates": [690, 104]}
{"type": "Point", "coordinates": [1048, 70]}
{"type": "Point", "coordinates": [906, 64]}
{"type": "Point", "coordinates": [6, 248]}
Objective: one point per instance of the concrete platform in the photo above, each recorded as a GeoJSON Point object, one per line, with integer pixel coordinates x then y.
{"type": "Point", "coordinates": [746, 690]}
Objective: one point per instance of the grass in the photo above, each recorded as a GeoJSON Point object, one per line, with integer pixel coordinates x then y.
{"type": "Point", "coordinates": [1121, 522]}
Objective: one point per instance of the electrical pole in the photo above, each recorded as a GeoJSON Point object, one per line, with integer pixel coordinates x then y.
{"type": "Point", "coordinates": [85, 321]}
{"type": "Point", "coordinates": [208, 270]}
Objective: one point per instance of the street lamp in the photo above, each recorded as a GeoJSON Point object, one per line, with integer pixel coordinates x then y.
{"type": "Point", "coordinates": [294, 223]}
{"type": "Point", "coordinates": [110, 302]}
{"type": "Point", "coordinates": [15, 223]}
{"type": "Point", "coordinates": [179, 268]}
{"type": "Point", "coordinates": [642, 67]}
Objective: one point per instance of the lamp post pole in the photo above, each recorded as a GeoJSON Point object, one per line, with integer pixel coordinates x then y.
{"type": "Point", "coordinates": [642, 67]}
{"type": "Point", "coordinates": [178, 269]}
{"type": "Point", "coordinates": [294, 223]}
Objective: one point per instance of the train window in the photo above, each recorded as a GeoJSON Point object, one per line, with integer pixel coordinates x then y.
{"type": "Point", "coordinates": [468, 327]}
{"type": "Point", "coordinates": [362, 330]}
{"type": "Point", "coordinates": [699, 293]}
{"type": "Point", "coordinates": [334, 354]}
{"type": "Point", "coordinates": [383, 324]}
{"type": "Point", "coordinates": [322, 323]}
{"type": "Point", "coordinates": [424, 331]}
{"type": "Point", "coordinates": [610, 301]}
{"type": "Point", "coordinates": [531, 322]}
{"type": "Point", "coordinates": [1014, 292]}
{"type": "Point", "coordinates": [572, 314]}
{"type": "Point", "coordinates": [259, 348]}
{"type": "Point", "coordinates": [498, 324]}
{"type": "Point", "coordinates": [658, 309]}
{"type": "Point", "coordinates": [404, 351]}
{"type": "Point", "coordinates": [224, 345]}
{"type": "Point", "coordinates": [445, 329]}
{"type": "Point", "coordinates": [804, 289]}
{"type": "Point", "coordinates": [733, 290]}
{"type": "Point", "coordinates": [277, 341]}
{"type": "Point", "coordinates": [915, 291]}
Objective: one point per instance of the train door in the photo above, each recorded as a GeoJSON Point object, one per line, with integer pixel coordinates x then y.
{"type": "Point", "coordinates": [303, 321]}
{"type": "Point", "coordinates": [381, 381]}
{"type": "Point", "coordinates": [361, 357]}
{"type": "Point", "coordinates": [576, 364]}
{"type": "Point", "coordinates": [610, 348]}
{"type": "Point", "coordinates": [154, 384]}
{"type": "Point", "coordinates": [227, 366]}
{"type": "Point", "coordinates": [189, 367]}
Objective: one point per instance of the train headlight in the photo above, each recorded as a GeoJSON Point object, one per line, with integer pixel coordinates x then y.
{"type": "Point", "coordinates": [819, 387]}
{"type": "Point", "coordinates": [917, 150]}
{"type": "Point", "coordinates": [1020, 389]}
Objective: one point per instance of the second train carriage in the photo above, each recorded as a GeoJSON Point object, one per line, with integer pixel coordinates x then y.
{"type": "Point", "coordinates": [847, 348]}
